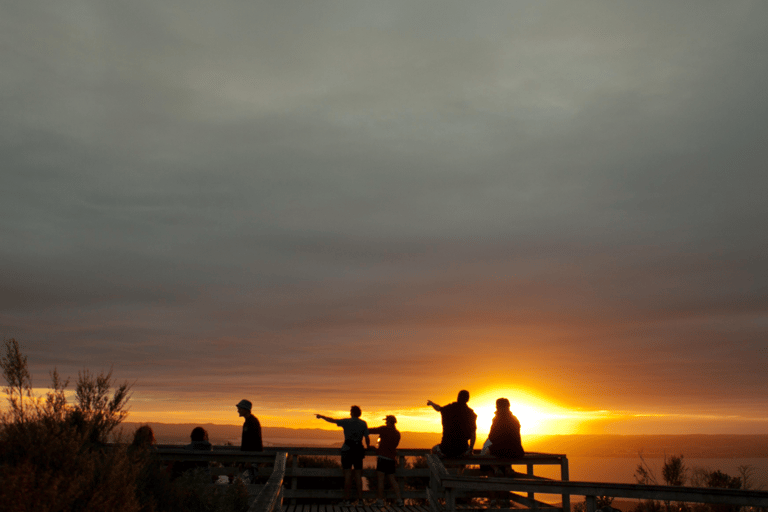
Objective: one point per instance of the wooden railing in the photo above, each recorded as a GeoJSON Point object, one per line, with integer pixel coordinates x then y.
{"type": "Point", "coordinates": [448, 487]}
{"type": "Point", "coordinates": [231, 460]}
{"type": "Point", "coordinates": [449, 479]}
{"type": "Point", "coordinates": [295, 472]}
{"type": "Point", "coordinates": [466, 467]}
{"type": "Point", "coordinates": [282, 464]}
{"type": "Point", "coordinates": [270, 499]}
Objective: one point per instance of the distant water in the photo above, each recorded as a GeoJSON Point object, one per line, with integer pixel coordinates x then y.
{"type": "Point", "coordinates": [622, 470]}
{"type": "Point", "coordinates": [293, 441]}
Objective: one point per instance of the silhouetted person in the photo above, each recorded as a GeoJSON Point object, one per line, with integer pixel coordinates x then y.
{"type": "Point", "coordinates": [199, 438]}
{"type": "Point", "coordinates": [459, 427]}
{"type": "Point", "coordinates": [386, 460]}
{"type": "Point", "coordinates": [143, 438]}
{"type": "Point", "coordinates": [153, 483]}
{"type": "Point", "coordinates": [504, 437]}
{"type": "Point", "coordinates": [352, 451]}
{"type": "Point", "coordinates": [251, 439]}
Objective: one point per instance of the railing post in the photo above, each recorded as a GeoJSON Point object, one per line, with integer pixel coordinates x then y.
{"type": "Point", "coordinates": [531, 495]}
{"type": "Point", "coordinates": [401, 479]}
{"type": "Point", "coordinates": [450, 499]}
{"type": "Point", "coordinates": [591, 503]}
{"type": "Point", "coordinates": [270, 498]}
{"type": "Point", "coordinates": [437, 472]}
{"type": "Point", "coordinates": [564, 476]}
{"type": "Point", "coordinates": [294, 477]}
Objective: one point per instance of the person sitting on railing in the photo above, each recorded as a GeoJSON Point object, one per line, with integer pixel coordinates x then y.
{"type": "Point", "coordinates": [386, 461]}
{"type": "Point", "coordinates": [352, 451]}
{"type": "Point", "coordinates": [459, 427]}
{"type": "Point", "coordinates": [504, 439]}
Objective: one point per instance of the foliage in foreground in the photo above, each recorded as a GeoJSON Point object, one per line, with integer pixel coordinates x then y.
{"type": "Point", "coordinates": [56, 456]}
{"type": "Point", "coordinates": [675, 472]}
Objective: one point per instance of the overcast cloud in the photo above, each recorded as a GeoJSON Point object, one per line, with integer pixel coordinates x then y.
{"type": "Point", "coordinates": [287, 200]}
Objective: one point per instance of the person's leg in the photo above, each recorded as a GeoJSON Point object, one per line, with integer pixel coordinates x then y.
{"type": "Point", "coordinates": [359, 483]}
{"type": "Point", "coordinates": [347, 483]}
{"type": "Point", "coordinates": [380, 488]}
{"type": "Point", "coordinates": [395, 486]}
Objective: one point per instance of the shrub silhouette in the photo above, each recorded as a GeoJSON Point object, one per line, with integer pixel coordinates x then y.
{"type": "Point", "coordinates": [71, 457]}
{"type": "Point", "coordinates": [53, 456]}
{"type": "Point", "coordinates": [675, 472]}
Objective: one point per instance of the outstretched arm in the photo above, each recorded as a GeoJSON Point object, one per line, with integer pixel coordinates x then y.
{"type": "Point", "coordinates": [326, 418]}
{"type": "Point", "coordinates": [434, 405]}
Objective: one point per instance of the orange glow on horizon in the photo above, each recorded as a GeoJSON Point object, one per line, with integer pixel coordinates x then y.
{"type": "Point", "coordinates": [537, 415]}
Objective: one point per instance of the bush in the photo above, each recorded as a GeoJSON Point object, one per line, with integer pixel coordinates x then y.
{"type": "Point", "coordinates": [68, 457]}
{"type": "Point", "coordinates": [54, 456]}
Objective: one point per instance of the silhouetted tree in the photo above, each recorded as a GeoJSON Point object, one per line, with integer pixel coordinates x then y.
{"type": "Point", "coordinates": [16, 374]}
{"type": "Point", "coordinates": [674, 471]}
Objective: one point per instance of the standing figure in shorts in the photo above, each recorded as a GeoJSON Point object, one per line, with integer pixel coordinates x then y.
{"type": "Point", "coordinates": [386, 460]}
{"type": "Point", "coordinates": [352, 451]}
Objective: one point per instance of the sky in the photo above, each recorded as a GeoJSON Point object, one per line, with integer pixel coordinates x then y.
{"type": "Point", "coordinates": [319, 204]}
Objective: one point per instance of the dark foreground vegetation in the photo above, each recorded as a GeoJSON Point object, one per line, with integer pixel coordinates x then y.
{"type": "Point", "coordinates": [69, 457]}
{"type": "Point", "coordinates": [674, 472]}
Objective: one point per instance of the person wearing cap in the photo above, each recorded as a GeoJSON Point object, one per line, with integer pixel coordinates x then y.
{"type": "Point", "coordinates": [352, 451]}
{"type": "Point", "coordinates": [251, 440]}
{"type": "Point", "coordinates": [459, 427]}
{"type": "Point", "coordinates": [386, 460]}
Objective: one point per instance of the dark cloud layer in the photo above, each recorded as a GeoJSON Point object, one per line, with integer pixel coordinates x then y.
{"type": "Point", "coordinates": [295, 199]}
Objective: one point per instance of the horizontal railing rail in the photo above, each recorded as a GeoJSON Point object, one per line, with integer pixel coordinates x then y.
{"type": "Point", "coordinates": [270, 499]}
{"type": "Point", "coordinates": [262, 466]}
{"type": "Point", "coordinates": [452, 486]}
{"type": "Point", "coordinates": [440, 473]}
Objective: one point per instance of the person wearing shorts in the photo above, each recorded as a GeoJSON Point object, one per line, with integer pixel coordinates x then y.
{"type": "Point", "coordinates": [352, 451]}
{"type": "Point", "coordinates": [386, 460]}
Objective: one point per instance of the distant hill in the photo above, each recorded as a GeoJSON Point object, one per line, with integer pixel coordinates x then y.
{"type": "Point", "coordinates": [178, 433]}
{"type": "Point", "coordinates": [691, 446]}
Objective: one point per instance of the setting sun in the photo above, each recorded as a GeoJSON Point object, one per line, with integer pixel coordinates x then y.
{"type": "Point", "coordinates": [537, 415]}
